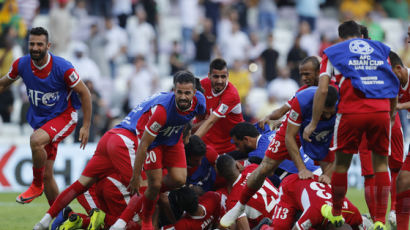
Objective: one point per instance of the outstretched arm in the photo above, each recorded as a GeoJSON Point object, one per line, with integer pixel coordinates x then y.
{"type": "Point", "coordinates": [85, 98]}
{"type": "Point", "coordinates": [275, 115]}
{"type": "Point", "coordinates": [208, 123]}
{"type": "Point", "coordinates": [293, 149]}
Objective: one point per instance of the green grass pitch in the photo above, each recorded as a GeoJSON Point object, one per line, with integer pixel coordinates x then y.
{"type": "Point", "coordinates": [15, 216]}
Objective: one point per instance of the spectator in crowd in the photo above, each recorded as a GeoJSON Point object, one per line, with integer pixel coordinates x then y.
{"type": "Point", "coordinates": [376, 32]}
{"type": "Point", "coordinates": [308, 11]}
{"type": "Point", "coordinates": [267, 11]}
{"type": "Point", "coordinates": [309, 40]}
{"type": "Point", "coordinates": [283, 87]}
{"type": "Point", "coordinates": [189, 12]}
{"type": "Point", "coordinates": [142, 37]}
{"type": "Point", "coordinates": [269, 59]}
{"type": "Point", "coordinates": [355, 9]}
{"type": "Point", "coordinates": [239, 76]}
{"type": "Point", "coordinates": [176, 61]}
{"type": "Point", "coordinates": [10, 19]}
{"type": "Point", "coordinates": [295, 55]}
{"type": "Point", "coordinates": [122, 9]}
{"type": "Point", "coordinates": [236, 45]}
{"type": "Point", "coordinates": [6, 59]}
{"type": "Point", "coordinates": [60, 21]}
{"type": "Point", "coordinates": [85, 66]}
{"type": "Point", "coordinates": [204, 48]}
{"type": "Point", "coordinates": [96, 44]}
{"type": "Point", "coordinates": [396, 9]}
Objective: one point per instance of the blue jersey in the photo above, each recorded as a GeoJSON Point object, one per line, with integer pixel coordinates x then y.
{"type": "Point", "coordinates": [171, 132]}
{"type": "Point", "coordinates": [322, 136]}
{"type": "Point", "coordinates": [365, 63]}
{"type": "Point", "coordinates": [204, 176]}
{"type": "Point", "coordinates": [49, 96]}
{"type": "Point", "coordinates": [287, 165]}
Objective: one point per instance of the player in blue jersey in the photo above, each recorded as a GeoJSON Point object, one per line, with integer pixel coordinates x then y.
{"type": "Point", "coordinates": [253, 142]}
{"type": "Point", "coordinates": [55, 93]}
{"type": "Point", "coordinates": [151, 133]}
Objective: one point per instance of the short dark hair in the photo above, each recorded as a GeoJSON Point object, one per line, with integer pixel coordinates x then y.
{"type": "Point", "coordinates": [218, 64]}
{"type": "Point", "coordinates": [198, 85]}
{"type": "Point", "coordinates": [332, 96]}
{"type": "Point", "coordinates": [184, 77]}
{"type": "Point", "coordinates": [364, 31]}
{"type": "Point", "coordinates": [195, 146]}
{"type": "Point", "coordinates": [240, 130]}
{"type": "Point", "coordinates": [349, 29]}
{"type": "Point", "coordinates": [225, 165]}
{"type": "Point", "coordinates": [395, 59]}
{"type": "Point", "coordinates": [39, 31]}
{"type": "Point", "coordinates": [185, 198]}
{"type": "Point", "coordinates": [314, 60]}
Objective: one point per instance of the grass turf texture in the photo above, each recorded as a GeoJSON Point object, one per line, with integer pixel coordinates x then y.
{"type": "Point", "coordinates": [22, 217]}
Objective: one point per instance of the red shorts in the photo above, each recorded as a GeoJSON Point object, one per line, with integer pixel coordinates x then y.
{"type": "Point", "coordinates": [349, 129]}
{"type": "Point", "coordinates": [277, 149]}
{"type": "Point", "coordinates": [59, 128]}
{"type": "Point", "coordinates": [115, 154]}
{"type": "Point", "coordinates": [397, 150]}
{"type": "Point", "coordinates": [406, 164]}
{"type": "Point", "coordinates": [166, 156]}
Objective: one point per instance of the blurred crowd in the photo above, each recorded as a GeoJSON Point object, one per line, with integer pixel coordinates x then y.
{"type": "Point", "coordinates": [126, 50]}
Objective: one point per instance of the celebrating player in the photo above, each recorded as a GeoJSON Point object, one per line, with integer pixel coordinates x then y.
{"type": "Point", "coordinates": [55, 93]}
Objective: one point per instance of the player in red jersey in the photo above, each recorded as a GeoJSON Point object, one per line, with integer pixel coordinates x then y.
{"type": "Point", "coordinates": [367, 110]}
{"type": "Point", "coordinates": [307, 196]}
{"type": "Point", "coordinates": [54, 90]}
{"type": "Point", "coordinates": [261, 205]}
{"type": "Point", "coordinates": [403, 181]}
{"type": "Point", "coordinates": [223, 108]}
{"type": "Point", "coordinates": [200, 212]}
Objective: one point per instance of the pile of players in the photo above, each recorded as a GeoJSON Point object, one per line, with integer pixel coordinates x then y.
{"type": "Point", "coordinates": [151, 172]}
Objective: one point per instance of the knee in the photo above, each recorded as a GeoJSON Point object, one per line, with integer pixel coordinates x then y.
{"type": "Point", "coordinates": [36, 141]}
{"type": "Point", "coordinates": [178, 180]}
{"type": "Point", "coordinates": [403, 181]}
{"type": "Point", "coordinates": [154, 186]}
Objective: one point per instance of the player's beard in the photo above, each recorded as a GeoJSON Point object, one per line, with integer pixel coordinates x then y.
{"type": "Point", "coordinates": [184, 107]}
{"type": "Point", "coordinates": [37, 55]}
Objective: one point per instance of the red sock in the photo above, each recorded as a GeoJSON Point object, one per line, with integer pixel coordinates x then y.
{"type": "Point", "coordinates": [403, 210]}
{"type": "Point", "coordinates": [369, 191]}
{"type": "Point", "coordinates": [133, 206]}
{"type": "Point", "coordinates": [339, 189]}
{"type": "Point", "coordinates": [66, 197]}
{"type": "Point", "coordinates": [148, 209]}
{"type": "Point", "coordinates": [382, 184]}
{"type": "Point", "coordinates": [393, 173]}
{"type": "Point", "coordinates": [38, 174]}
{"type": "Point", "coordinates": [247, 194]}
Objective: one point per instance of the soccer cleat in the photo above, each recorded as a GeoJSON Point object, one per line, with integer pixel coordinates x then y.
{"type": "Point", "coordinates": [392, 219]}
{"type": "Point", "coordinates": [61, 217]}
{"type": "Point", "coordinates": [30, 194]}
{"type": "Point", "coordinates": [230, 217]}
{"type": "Point", "coordinates": [264, 222]}
{"type": "Point", "coordinates": [367, 222]}
{"type": "Point", "coordinates": [73, 222]}
{"type": "Point", "coordinates": [379, 226]}
{"type": "Point", "coordinates": [40, 226]}
{"type": "Point", "coordinates": [96, 219]}
{"type": "Point", "coordinates": [326, 211]}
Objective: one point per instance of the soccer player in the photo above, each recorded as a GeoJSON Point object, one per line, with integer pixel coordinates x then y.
{"type": "Point", "coordinates": [307, 196]}
{"type": "Point", "coordinates": [200, 212]}
{"type": "Point", "coordinates": [253, 142]}
{"type": "Point", "coordinates": [223, 108]}
{"type": "Point", "coordinates": [158, 123]}
{"type": "Point", "coordinates": [259, 206]}
{"type": "Point", "coordinates": [309, 73]}
{"type": "Point", "coordinates": [55, 93]}
{"type": "Point", "coordinates": [403, 182]}
{"type": "Point", "coordinates": [366, 84]}
{"type": "Point", "coordinates": [277, 151]}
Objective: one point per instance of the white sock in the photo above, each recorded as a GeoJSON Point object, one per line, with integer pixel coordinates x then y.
{"type": "Point", "coordinates": [46, 220]}
{"type": "Point", "coordinates": [120, 223]}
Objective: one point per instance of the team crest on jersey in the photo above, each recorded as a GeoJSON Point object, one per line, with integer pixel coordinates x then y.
{"type": "Point", "coordinates": [50, 99]}
{"type": "Point", "coordinates": [223, 108]}
{"type": "Point", "coordinates": [155, 126]}
{"type": "Point", "coordinates": [73, 77]}
{"type": "Point", "coordinates": [293, 115]}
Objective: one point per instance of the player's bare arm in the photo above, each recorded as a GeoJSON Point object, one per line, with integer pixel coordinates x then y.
{"type": "Point", "coordinates": [85, 98]}
{"type": "Point", "coordinates": [275, 115]}
{"type": "Point", "coordinates": [401, 106]}
{"type": "Point", "coordinates": [318, 105]}
{"type": "Point", "coordinates": [140, 156]}
{"type": "Point", "coordinates": [393, 109]}
{"type": "Point", "coordinates": [327, 169]}
{"type": "Point", "coordinates": [208, 123]}
{"type": "Point", "coordinates": [5, 82]}
{"type": "Point", "coordinates": [293, 149]}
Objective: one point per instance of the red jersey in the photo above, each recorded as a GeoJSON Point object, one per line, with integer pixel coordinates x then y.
{"type": "Point", "coordinates": [404, 92]}
{"type": "Point", "coordinates": [351, 99]}
{"type": "Point", "coordinates": [227, 106]}
{"type": "Point", "coordinates": [261, 204]}
{"type": "Point", "coordinates": [210, 202]}
{"type": "Point", "coordinates": [308, 196]}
